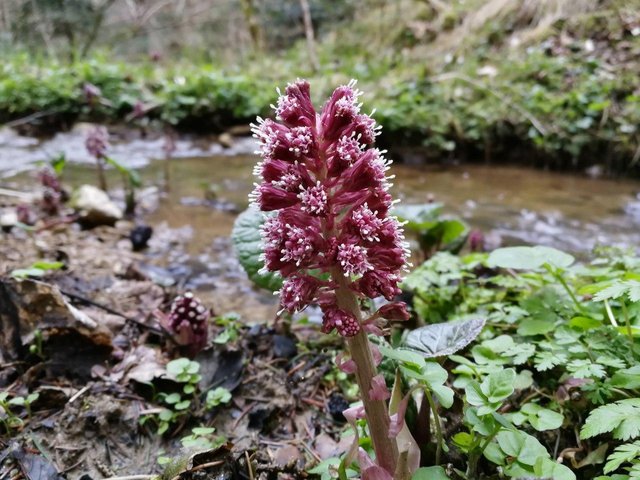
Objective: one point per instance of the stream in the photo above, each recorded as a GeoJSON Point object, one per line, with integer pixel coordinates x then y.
{"type": "Point", "coordinates": [209, 186]}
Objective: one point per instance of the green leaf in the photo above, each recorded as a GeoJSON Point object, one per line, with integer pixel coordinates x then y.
{"type": "Point", "coordinates": [403, 356]}
{"type": "Point", "coordinates": [621, 418]}
{"type": "Point", "coordinates": [443, 339]}
{"type": "Point", "coordinates": [584, 323]}
{"type": "Point", "coordinates": [44, 265]}
{"type": "Point", "coordinates": [499, 385]}
{"type": "Point", "coordinates": [418, 217]}
{"type": "Point", "coordinates": [430, 473]}
{"type": "Point", "coordinates": [547, 468]}
{"type": "Point", "coordinates": [248, 246]}
{"type": "Point", "coordinates": [542, 418]}
{"type": "Point", "coordinates": [525, 448]}
{"type": "Point", "coordinates": [628, 378]}
{"type": "Point", "coordinates": [536, 326]}
{"type": "Point", "coordinates": [528, 258]}
{"type": "Point", "coordinates": [172, 398]}
{"type": "Point", "coordinates": [165, 415]}
{"type": "Point", "coordinates": [177, 366]}
{"type": "Point", "coordinates": [131, 174]}
{"type": "Point", "coordinates": [622, 454]}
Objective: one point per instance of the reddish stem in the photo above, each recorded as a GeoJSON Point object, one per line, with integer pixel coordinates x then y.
{"type": "Point", "coordinates": [376, 410]}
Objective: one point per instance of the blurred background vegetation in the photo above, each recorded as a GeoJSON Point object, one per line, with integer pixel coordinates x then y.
{"type": "Point", "coordinates": [548, 82]}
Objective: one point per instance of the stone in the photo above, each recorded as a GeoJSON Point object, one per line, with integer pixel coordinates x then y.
{"type": "Point", "coordinates": [8, 219]}
{"type": "Point", "coordinates": [95, 207]}
{"type": "Point", "coordinates": [226, 140]}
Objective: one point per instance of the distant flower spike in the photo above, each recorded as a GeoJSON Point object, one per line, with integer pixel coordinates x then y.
{"type": "Point", "coordinates": [187, 321]}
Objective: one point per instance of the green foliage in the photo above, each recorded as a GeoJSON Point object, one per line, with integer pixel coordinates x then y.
{"type": "Point", "coordinates": [37, 269]}
{"type": "Point", "coordinates": [177, 404]}
{"type": "Point", "coordinates": [216, 397]}
{"type": "Point", "coordinates": [621, 419]}
{"type": "Point", "coordinates": [9, 419]}
{"type": "Point", "coordinates": [551, 337]}
{"type": "Point", "coordinates": [433, 230]}
{"type": "Point", "coordinates": [248, 246]}
{"type": "Point", "coordinates": [201, 438]}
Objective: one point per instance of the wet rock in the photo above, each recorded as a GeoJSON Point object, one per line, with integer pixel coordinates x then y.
{"type": "Point", "coordinates": [95, 207]}
{"type": "Point", "coordinates": [226, 140]}
{"type": "Point", "coordinates": [284, 347]}
{"type": "Point", "coordinates": [240, 130]}
{"type": "Point", "coordinates": [8, 219]}
{"type": "Point", "coordinates": [140, 236]}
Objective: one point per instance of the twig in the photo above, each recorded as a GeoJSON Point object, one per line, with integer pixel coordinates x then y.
{"type": "Point", "coordinates": [194, 469]}
{"type": "Point", "coordinates": [87, 301]}
{"type": "Point", "coordinates": [34, 116]}
{"type": "Point", "coordinates": [79, 393]}
{"type": "Point", "coordinates": [242, 415]}
{"type": "Point", "coordinates": [249, 466]}
{"type": "Point", "coordinates": [133, 477]}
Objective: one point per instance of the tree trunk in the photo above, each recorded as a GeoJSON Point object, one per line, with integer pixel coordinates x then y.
{"type": "Point", "coordinates": [249, 12]}
{"type": "Point", "coordinates": [309, 33]}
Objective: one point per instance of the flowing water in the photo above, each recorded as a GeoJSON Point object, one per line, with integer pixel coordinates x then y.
{"type": "Point", "coordinates": [511, 205]}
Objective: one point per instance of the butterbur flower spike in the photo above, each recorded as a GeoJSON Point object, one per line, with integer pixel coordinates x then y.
{"type": "Point", "coordinates": [97, 144]}
{"type": "Point", "coordinates": [328, 189]}
{"type": "Point", "coordinates": [329, 232]}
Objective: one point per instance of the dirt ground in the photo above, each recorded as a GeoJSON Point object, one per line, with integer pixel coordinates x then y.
{"type": "Point", "coordinates": [87, 339]}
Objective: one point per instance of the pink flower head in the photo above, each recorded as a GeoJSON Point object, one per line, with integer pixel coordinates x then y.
{"type": "Point", "coordinates": [97, 141]}
{"type": "Point", "coordinates": [92, 93]}
{"type": "Point", "coordinates": [344, 322]}
{"type": "Point", "coordinates": [396, 311]}
{"type": "Point", "coordinates": [328, 191]}
{"type": "Point", "coordinates": [297, 292]}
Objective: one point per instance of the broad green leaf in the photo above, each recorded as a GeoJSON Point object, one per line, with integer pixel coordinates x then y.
{"type": "Point", "coordinates": [584, 323]}
{"type": "Point", "coordinates": [528, 258]}
{"type": "Point", "coordinates": [499, 385]}
{"type": "Point", "coordinates": [542, 418]}
{"type": "Point", "coordinates": [418, 217]}
{"type": "Point", "coordinates": [443, 339]}
{"type": "Point", "coordinates": [547, 468]}
{"type": "Point", "coordinates": [525, 448]}
{"type": "Point", "coordinates": [536, 326]}
{"type": "Point", "coordinates": [247, 243]}
{"type": "Point", "coordinates": [430, 473]}
{"type": "Point", "coordinates": [403, 356]}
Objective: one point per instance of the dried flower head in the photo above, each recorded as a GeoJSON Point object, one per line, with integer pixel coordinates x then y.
{"type": "Point", "coordinates": [328, 190]}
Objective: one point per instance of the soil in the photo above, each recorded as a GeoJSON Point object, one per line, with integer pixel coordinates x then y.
{"type": "Point", "coordinates": [102, 357]}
